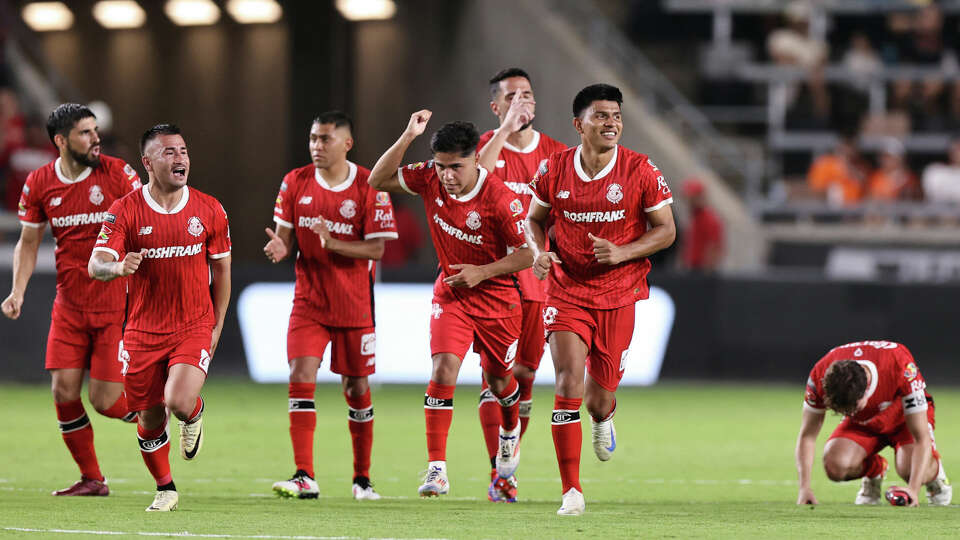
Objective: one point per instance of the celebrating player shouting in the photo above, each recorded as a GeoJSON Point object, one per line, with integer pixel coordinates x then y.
{"type": "Point", "coordinates": [877, 387]}
{"type": "Point", "coordinates": [73, 194]}
{"type": "Point", "coordinates": [175, 243]}
{"type": "Point", "coordinates": [513, 152]}
{"type": "Point", "coordinates": [341, 225]}
{"type": "Point", "coordinates": [477, 230]}
{"type": "Point", "coordinates": [600, 197]}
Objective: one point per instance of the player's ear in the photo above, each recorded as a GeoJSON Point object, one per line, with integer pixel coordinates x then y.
{"type": "Point", "coordinates": [146, 163]}
{"type": "Point", "coordinates": [348, 144]}
{"type": "Point", "coordinates": [495, 108]}
{"type": "Point", "coordinates": [59, 141]}
{"type": "Point", "coordinates": [578, 124]}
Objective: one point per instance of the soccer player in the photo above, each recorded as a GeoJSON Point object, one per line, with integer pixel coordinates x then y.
{"type": "Point", "coordinates": [513, 152]}
{"type": "Point", "coordinates": [175, 243]}
{"type": "Point", "coordinates": [341, 225]}
{"type": "Point", "coordinates": [877, 387]}
{"type": "Point", "coordinates": [73, 193]}
{"type": "Point", "coordinates": [477, 231]}
{"type": "Point", "coordinates": [610, 209]}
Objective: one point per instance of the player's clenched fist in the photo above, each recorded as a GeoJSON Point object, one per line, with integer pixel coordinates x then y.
{"type": "Point", "coordinates": [605, 251]}
{"type": "Point", "coordinates": [418, 123]}
{"type": "Point", "coordinates": [131, 261]}
{"type": "Point", "coordinates": [543, 262]}
{"type": "Point", "coordinates": [11, 306]}
{"type": "Point", "coordinates": [276, 248]}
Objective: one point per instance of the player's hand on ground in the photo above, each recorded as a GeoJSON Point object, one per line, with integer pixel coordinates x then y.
{"type": "Point", "coordinates": [806, 496]}
{"type": "Point", "coordinates": [418, 123]}
{"type": "Point", "coordinates": [914, 501]}
{"type": "Point", "coordinates": [519, 114]}
{"type": "Point", "coordinates": [131, 262]}
{"type": "Point", "coordinates": [321, 230]}
{"type": "Point", "coordinates": [543, 262]}
{"type": "Point", "coordinates": [605, 251]}
{"type": "Point", "coordinates": [470, 275]}
{"type": "Point", "coordinates": [276, 249]}
{"type": "Point", "coordinates": [12, 305]}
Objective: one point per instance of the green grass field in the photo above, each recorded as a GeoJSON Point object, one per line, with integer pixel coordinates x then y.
{"type": "Point", "coordinates": [692, 461]}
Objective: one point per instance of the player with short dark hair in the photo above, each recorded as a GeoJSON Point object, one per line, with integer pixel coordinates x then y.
{"type": "Point", "coordinates": [175, 243]}
{"type": "Point", "coordinates": [73, 193]}
{"type": "Point", "coordinates": [877, 387]}
{"type": "Point", "coordinates": [610, 209]}
{"type": "Point", "coordinates": [477, 230]}
{"type": "Point", "coordinates": [513, 152]}
{"type": "Point", "coordinates": [341, 225]}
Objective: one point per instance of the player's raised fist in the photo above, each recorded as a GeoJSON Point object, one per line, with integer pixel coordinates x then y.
{"type": "Point", "coordinates": [131, 262]}
{"type": "Point", "coordinates": [520, 113]}
{"type": "Point", "coordinates": [276, 248]}
{"type": "Point", "coordinates": [418, 122]}
{"type": "Point", "coordinates": [543, 262]}
{"type": "Point", "coordinates": [11, 306]}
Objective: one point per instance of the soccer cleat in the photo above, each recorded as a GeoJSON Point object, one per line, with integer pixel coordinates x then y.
{"type": "Point", "coordinates": [508, 457]}
{"type": "Point", "coordinates": [939, 490]}
{"type": "Point", "coordinates": [572, 503]}
{"type": "Point", "coordinates": [191, 438]}
{"type": "Point", "coordinates": [300, 486]}
{"type": "Point", "coordinates": [502, 489]}
{"type": "Point", "coordinates": [604, 439]}
{"type": "Point", "coordinates": [85, 486]}
{"type": "Point", "coordinates": [871, 489]}
{"type": "Point", "coordinates": [165, 501]}
{"type": "Point", "coordinates": [435, 482]}
{"type": "Point", "coordinates": [363, 489]}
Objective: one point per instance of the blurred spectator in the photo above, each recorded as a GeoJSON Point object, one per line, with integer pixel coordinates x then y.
{"type": "Point", "coordinates": [403, 250]}
{"type": "Point", "coordinates": [892, 180]}
{"type": "Point", "coordinates": [840, 176]}
{"type": "Point", "coordinates": [793, 46]}
{"type": "Point", "coordinates": [11, 120]}
{"type": "Point", "coordinates": [941, 181]}
{"type": "Point", "coordinates": [861, 61]}
{"type": "Point", "coordinates": [924, 48]}
{"type": "Point", "coordinates": [702, 248]}
{"type": "Point", "coordinates": [21, 159]}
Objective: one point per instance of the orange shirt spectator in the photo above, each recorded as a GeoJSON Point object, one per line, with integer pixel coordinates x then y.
{"type": "Point", "coordinates": [839, 176]}
{"type": "Point", "coordinates": [893, 181]}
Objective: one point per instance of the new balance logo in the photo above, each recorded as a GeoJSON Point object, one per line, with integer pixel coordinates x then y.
{"type": "Point", "coordinates": [145, 230]}
{"type": "Point", "coordinates": [563, 194]}
{"type": "Point", "coordinates": [430, 402]}
{"type": "Point", "coordinates": [306, 199]}
{"type": "Point", "coordinates": [56, 201]}
{"type": "Point", "coordinates": [152, 445]}
{"type": "Point", "coordinates": [565, 417]}
{"type": "Point", "coordinates": [439, 201]}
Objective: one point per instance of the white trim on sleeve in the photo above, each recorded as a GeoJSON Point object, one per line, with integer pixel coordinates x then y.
{"type": "Point", "coordinates": [32, 225]}
{"type": "Point", "coordinates": [402, 183]}
{"type": "Point", "coordinates": [811, 408]}
{"type": "Point", "coordinates": [116, 256]}
{"type": "Point", "coordinates": [382, 234]}
{"type": "Point", "coordinates": [218, 255]}
{"type": "Point", "coordinates": [541, 203]}
{"type": "Point", "coordinates": [659, 205]}
{"type": "Point", "coordinates": [286, 224]}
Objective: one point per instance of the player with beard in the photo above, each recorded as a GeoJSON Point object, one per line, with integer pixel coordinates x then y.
{"type": "Point", "coordinates": [477, 230]}
{"type": "Point", "coordinates": [175, 243]}
{"type": "Point", "coordinates": [610, 209]}
{"type": "Point", "coordinates": [513, 152]}
{"type": "Point", "coordinates": [73, 193]}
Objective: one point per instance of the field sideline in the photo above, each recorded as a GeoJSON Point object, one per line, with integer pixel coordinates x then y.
{"type": "Point", "coordinates": [693, 460]}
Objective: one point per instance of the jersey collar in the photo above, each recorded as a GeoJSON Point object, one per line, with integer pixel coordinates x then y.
{"type": "Point", "coordinates": [351, 176]}
{"type": "Point", "coordinates": [605, 171]}
{"type": "Point", "coordinates": [527, 149]}
{"type": "Point", "coordinates": [155, 206]}
{"type": "Point", "coordinates": [83, 176]}
{"type": "Point", "coordinates": [475, 190]}
{"type": "Point", "coordinates": [872, 368]}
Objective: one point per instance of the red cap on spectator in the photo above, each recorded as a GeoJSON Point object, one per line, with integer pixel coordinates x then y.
{"type": "Point", "coordinates": [693, 188]}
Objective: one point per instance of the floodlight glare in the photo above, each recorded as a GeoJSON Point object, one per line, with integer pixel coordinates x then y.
{"type": "Point", "coordinates": [47, 16]}
{"type": "Point", "coordinates": [254, 11]}
{"type": "Point", "coordinates": [366, 10]}
{"type": "Point", "coordinates": [119, 14]}
{"type": "Point", "coordinates": [192, 12]}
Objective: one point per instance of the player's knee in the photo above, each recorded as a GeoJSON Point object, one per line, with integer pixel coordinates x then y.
{"type": "Point", "coordinates": [355, 387]}
{"type": "Point", "coordinates": [64, 393]}
{"type": "Point", "coordinates": [838, 470]}
{"type": "Point", "coordinates": [181, 406]}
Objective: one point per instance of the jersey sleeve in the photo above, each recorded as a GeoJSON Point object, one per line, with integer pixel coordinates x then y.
{"type": "Point", "coordinates": [112, 238]}
{"type": "Point", "coordinates": [413, 177]}
{"type": "Point", "coordinates": [130, 178]}
{"type": "Point", "coordinates": [218, 241]}
{"type": "Point", "coordinates": [544, 181]}
{"type": "Point", "coordinates": [284, 205]}
{"type": "Point", "coordinates": [379, 221]}
{"type": "Point", "coordinates": [510, 214]}
{"type": "Point", "coordinates": [910, 385]}
{"type": "Point", "coordinates": [484, 139]}
{"type": "Point", "coordinates": [30, 208]}
{"type": "Point", "coordinates": [813, 396]}
{"type": "Point", "coordinates": [656, 192]}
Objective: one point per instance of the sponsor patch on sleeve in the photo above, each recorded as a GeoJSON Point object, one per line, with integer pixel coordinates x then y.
{"type": "Point", "coordinates": [516, 207]}
{"type": "Point", "coordinates": [383, 199]}
{"type": "Point", "coordinates": [110, 218]}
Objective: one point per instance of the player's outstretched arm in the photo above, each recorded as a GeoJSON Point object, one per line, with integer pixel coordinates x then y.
{"type": "Point", "coordinates": [384, 175]}
{"type": "Point", "coordinates": [921, 456]}
{"type": "Point", "coordinates": [220, 292]}
{"type": "Point", "coordinates": [535, 231]}
{"type": "Point", "coordinates": [518, 115]}
{"type": "Point", "coordinates": [280, 244]}
{"type": "Point", "coordinates": [471, 275]}
{"type": "Point", "coordinates": [24, 262]}
{"type": "Point", "coordinates": [103, 267]}
{"type": "Point", "coordinates": [810, 425]}
{"type": "Point", "coordinates": [370, 248]}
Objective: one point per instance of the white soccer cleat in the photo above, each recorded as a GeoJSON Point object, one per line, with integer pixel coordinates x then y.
{"type": "Point", "coordinates": [164, 501]}
{"type": "Point", "coordinates": [300, 486]}
{"type": "Point", "coordinates": [871, 491]}
{"type": "Point", "coordinates": [191, 438]}
{"type": "Point", "coordinates": [604, 439]}
{"type": "Point", "coordinates": [508, 457]}
{"type": "Point", "coordinates": [363, 490]}
{"type": "Point", "coordinates": [572, 503]}
{"type": "Point", "coordinates": [939, 490]}
{"type": "Point", "coordinates": [435, 482]}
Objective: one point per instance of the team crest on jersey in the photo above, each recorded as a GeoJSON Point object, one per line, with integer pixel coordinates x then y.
{"type": "Point", "coordinates": [348, 208]}
{"type": "Point", "coordinates": [614, 193]}
{"type": "Point", "coordinates": [516, 207]}
{"type": "Point", "coordinates": [473, 220]}
{"type": "Point", "coordinates": [910, 372]}
{"type": "Point", "coordinates": [383, 198]}
{"type": "Point", "coordinates": [307, 199]}
{"type": "Point", "coordinates": [195, 226]}
{"type": "Point", "coordinates": [96, 195]}
{"type": "Point", "coordinates": [55, 201]}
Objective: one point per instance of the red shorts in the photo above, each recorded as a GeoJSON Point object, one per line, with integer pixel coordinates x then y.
{"type": "Point", "coordinates": [606, 332]}
{"type": "Point", "coordinates": [354, 349]}
{"type": "Point", "coordinates": [532, 341]}
{"type": "Point", "coordinates": [874, 442]}
{"type": "Point", "coordinates": [86, 340]}
{"type": "Point", "coordinates": [145, 372]}
{"type": "Point", "coordinates": [452, 330]}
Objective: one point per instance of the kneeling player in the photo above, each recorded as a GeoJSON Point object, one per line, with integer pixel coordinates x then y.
{"type": "Point", "coordinates": [880, 392]}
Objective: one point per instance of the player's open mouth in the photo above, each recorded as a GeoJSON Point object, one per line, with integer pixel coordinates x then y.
{"type": "Point", "coordinates": [180, 171]}
{"type": "Point", "coordinates": [608, 134]}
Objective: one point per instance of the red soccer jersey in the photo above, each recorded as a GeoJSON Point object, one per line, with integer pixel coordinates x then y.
{"type": "Point", "coordinates": [613, 205]}
{"type": "Point", "coordinates": [75, 210]}
{"type": "Point", "coordinates": [170, 292]}
{"type": "Point", "coordinates": [517, 166]}
{"type": "Point", "coordinates": [338, 288]}
{"type": "Point", "coordinates": [895, 382]}
{"type": "Point", "coordinates": [475, 228]}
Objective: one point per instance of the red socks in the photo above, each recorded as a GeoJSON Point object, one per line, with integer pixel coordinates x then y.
{"type": "Point", "coordinates": [526, 402]}
{"type": "Point", "coordinates": [509, 401]}
{"type": "Point", "coordinates": [303, 422]}
{"type": "Point", "coordinates": [567, 440]}
{"type": "Point", "coordinates": [197, 411]}
{"type": "Point", "coordinates": [874, 465]}
{"type": "Point", "coordinates": [78, 434]}
{"type": "Point", "coordinates": [361, 432]}
{"type": "Point", "coordinates": [438, 412]}
{"type": "Point", "coordinates": [490, 417]}
{"type": "Point", "coordinates": [155, 449]}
